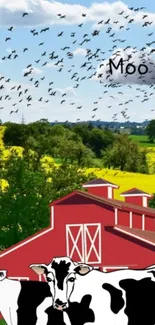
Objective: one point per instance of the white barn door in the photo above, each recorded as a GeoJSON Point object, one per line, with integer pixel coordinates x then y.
{"type": "Point", "coordinates": [83, 242]}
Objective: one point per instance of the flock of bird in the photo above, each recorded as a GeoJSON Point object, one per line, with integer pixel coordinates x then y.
{"type": "Point", "coordinates": [92, 61]}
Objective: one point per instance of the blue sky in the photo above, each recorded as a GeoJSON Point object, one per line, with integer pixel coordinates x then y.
{"type": "Point", "coordinates": [129, 95]}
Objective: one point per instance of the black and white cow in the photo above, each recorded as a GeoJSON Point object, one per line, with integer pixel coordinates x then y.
{"type": "Point", "coordinates": [121, 297]}
{"type": "Point", "coordinates": [23, 303]}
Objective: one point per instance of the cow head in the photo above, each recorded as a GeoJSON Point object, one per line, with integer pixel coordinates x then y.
{"type": "Point", "coordinates": [2, 274]}
{"type": "Point", "coordinates": [61, 276]}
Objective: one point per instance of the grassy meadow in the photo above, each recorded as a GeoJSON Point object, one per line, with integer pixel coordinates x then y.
{"type": "Point", "coordinates": [142, 140]}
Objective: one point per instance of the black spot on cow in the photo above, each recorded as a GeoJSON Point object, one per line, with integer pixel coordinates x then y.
{"type": "Point", "coordinates": [153, 272]}
{"type": "Point", "coordinates": [140, 307]}
{"type": "Point", "coordinates": [80, 313]}
{"type": "Point", "coordinates": [55, 316]}
{"type": "Point", "coordinates": [32, 294]}
{"type": "Point", "coordinates": [117, 301]}
{"type": "Point", "coordinates": [61, 271]}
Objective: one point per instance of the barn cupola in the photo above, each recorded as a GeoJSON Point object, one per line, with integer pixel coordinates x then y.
{"type": "Point", "coordinates": [136, 196]}
{"type": "Point", "coordinates": [101, 187]}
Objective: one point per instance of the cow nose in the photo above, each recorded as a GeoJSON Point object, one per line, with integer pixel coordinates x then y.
{"type": "Point", "coordinates": [60, 305]}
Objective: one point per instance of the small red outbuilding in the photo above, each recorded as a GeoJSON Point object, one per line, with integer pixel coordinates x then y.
{"type": "Point", "coordinates": [90, 226]}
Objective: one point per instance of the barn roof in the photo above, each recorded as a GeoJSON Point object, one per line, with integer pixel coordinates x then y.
{"type": "Point", "coordinates": [111, 202]}
{"type": "Point", "coordinates": [99, 182]}
{"type": "Point", "coordinates": [135, 191]}
{"type": "Point", "coordinates": [143, 235]}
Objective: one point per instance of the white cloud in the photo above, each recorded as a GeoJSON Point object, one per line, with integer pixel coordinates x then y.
{"type": "Point", "coordinates": [52, 65]}
{"type": "Point", "coordinates": [70, 92]}
{"type": "Point", "coordinates": [44, 12]}
{"type": "Point", "coordinates": [9, 50]}
{"type": "Point", "coordinates": [134, 57]}
{"type": "Point", "coordinates": [35, 71]}
{"type": "Point", "coordinates": [80, 51]}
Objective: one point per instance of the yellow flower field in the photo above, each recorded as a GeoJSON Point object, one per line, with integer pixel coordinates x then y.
{"type": "Point", "coordinates": [2, 129]}
{"type": "Point", "coordinates": [125, 180]}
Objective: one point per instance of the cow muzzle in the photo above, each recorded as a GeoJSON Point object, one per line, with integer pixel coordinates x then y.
{"type": "Point", "coordinates": [60, 305]}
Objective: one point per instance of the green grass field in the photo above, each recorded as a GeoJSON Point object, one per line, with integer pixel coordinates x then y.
{"type": "Point", "coordinates": [2, 322]}
{"type": "Point", "coordinates": [142, 140]}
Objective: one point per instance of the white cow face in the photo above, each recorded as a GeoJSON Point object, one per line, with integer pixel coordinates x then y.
{"type": "Point", "coordinates": [61, 277]}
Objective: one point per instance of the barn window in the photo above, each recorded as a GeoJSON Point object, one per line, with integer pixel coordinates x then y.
{"type": "Point", "coordinates": [83, 242]}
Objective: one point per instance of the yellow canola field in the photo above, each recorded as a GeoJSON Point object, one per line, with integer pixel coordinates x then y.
{"type": "Point", "coordinates": [2, 129]}
{"type": "Point", "coordinates": [125, 180]}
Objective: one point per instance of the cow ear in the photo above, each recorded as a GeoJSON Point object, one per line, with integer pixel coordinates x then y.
{"type": "Point", "coordinates": [83, 269]}
{"type": "Point", "coordinates": [2, 274]}
{"type": "Point", "coordinates": [39, 268]}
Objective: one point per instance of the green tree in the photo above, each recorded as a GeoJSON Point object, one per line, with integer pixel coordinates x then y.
{"type": "Point", "coordinates": [69, 147]}
{"type": "Point", "coordinates": [100, 139]}
{"type": "Point", "coordinates": [125, 155]}
{"type": "Point", "coordinates": [150, 131]}
{"type": "Point", "coordinates": [83, 130]}
{"type": "Point", "coordinates": [15, 134]}
{"type": "Point", "coordinates": [152, 202]}
{"type": "Point", "coordinates": [24, 205]}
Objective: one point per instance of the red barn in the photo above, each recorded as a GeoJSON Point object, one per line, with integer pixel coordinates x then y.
{"type": "Point", "coordinates": [91, 227]}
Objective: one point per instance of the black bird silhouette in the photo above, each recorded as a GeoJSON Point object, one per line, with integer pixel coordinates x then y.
{"type": "Point", "coordinates": [10, 29]}
{"type": "Point", "coordinates": [107, 22]}
{"type": "Point", "coordinates": [60, 34]}
{"type": "Point", "coordinates": [25, 14]}
{"type": "Point", "coordinates": [7, 39]}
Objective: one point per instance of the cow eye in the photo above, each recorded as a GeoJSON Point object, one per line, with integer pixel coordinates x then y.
{"type": "Point", "coordinates": [71, 279]}
{"type": "Point", "coordinates": [49, 279]}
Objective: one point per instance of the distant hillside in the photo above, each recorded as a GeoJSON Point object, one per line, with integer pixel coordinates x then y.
{"type": "Point", "coordinates": [112, 125]}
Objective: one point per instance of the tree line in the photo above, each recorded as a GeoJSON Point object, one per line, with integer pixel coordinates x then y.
{"type": "Point", "coordinates": [80, 144]}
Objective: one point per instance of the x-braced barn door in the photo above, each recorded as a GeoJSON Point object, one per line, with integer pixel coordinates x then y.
{"type": "Point", "coordinates": [83, 242]}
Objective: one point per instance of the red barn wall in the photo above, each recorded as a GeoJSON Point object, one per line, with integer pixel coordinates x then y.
{"type": "Point", "coordinates": [81, 214]}
{"type": "Point", "coordinates": [123, 218]}
{"type": "Point", "coordinates": [115, 250]}
{"type": "Point", "coordinates": [149, 223]}
{"type": "Point", "coordinates": [137, 221]}
{"type": "Point", "coordinates": [134, 199]}
{"type": "Point", "coordinates": [100, 191]}
{"type": "Point", "coordinates": [120, 251]}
